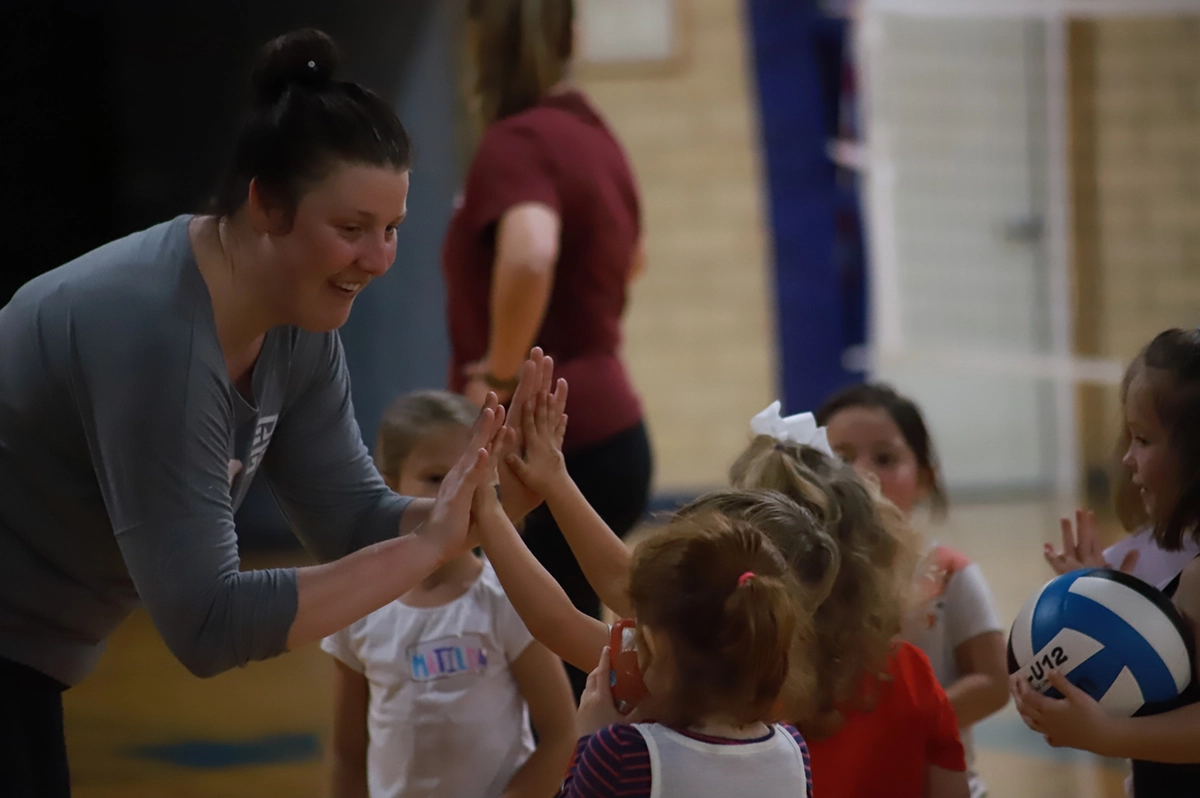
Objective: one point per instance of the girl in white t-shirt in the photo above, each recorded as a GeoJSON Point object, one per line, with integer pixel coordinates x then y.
{"type": "Point", "coordinates": [435, 691]}
{"type": "Point", "coordinates": [882, 433]}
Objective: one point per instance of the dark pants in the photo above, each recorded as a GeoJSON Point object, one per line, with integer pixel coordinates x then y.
{"type": "Point", "coordinates": [614, 476]}
{"type": "Point", "coordinates": [33, 748]}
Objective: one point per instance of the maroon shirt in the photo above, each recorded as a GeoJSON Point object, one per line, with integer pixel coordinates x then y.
{"type": "Point", "coordinates": [560, 154]}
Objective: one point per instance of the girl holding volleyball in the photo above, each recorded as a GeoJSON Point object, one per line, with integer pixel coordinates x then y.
{"type": "Point", "coordinates": [882, 433]}
{"type": "Point", "coordinates": [718, 614]}
{"type": "Point", "coordinates": [1161, 399]}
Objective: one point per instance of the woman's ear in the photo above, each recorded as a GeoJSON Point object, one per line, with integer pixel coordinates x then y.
{"type": "Point", "coordinates": [266, 217]}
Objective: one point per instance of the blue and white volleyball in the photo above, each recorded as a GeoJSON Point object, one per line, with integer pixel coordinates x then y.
{"type": "Point", "coordinates": [1110, 634]}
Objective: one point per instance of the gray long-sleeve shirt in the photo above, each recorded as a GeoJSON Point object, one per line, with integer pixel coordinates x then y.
{"type": "Point", "coordinates": [125, 450]}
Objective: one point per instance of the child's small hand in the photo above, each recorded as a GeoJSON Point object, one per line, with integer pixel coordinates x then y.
{"type": "Point", "coordinates": [543, 426]}
{"type": "Point", "coordinates": [1075, 721]}
{"type": "Point", "coordinates": [597, 710]}
{"type": "Point", "coordinates": [1081, 547]}
{"type": "Point", "coordinates": [536, 374]}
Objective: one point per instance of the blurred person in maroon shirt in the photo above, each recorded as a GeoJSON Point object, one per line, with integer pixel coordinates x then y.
{"type": "Point", "coordinates": [540, 251]}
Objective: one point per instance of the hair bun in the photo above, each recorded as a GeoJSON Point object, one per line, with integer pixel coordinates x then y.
{"type": "Point", "coordinates": [304, 57]}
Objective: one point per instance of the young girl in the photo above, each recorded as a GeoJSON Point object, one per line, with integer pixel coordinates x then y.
{"type": "Point", "coordinates": [883, 724]}
{"type": "Point", "coordinates": [881, 433]}
{"type": "Point", "coordinates": [1161, 399]}
{"type": "Point", "coordinates": [909, 746]}
{"type": "Point", "coordinates": [720, 616]}
{"type": "Point", "coordinates": [716, 613]}
{"type": "Point", "coordinates": [447, 674]}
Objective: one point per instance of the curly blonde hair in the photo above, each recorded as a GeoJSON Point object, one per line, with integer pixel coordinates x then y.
{"type": "Point", "coordinates": [856, 625]}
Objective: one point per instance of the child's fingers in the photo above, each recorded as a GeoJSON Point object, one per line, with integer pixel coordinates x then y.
{"type": "Point", "coordinates": [529, 419]}
{"type": "Point", "coordinates": [501, 443]}
{"type": "Point", "coordinates": [547, 374]}
{"type": "Point", "coordinates": [1086, 535]}
{"type": "Point", "coordinates": [560, 397]}
{"type": "Point", "coordinates": [544, 425]}
{"type": "Point", "coordinates": [560, 430]}
{"type": "Point", "coordinates": [1068, 536]}
{"type": "Point", "coordinates": [601, 672]}
{"type": "Point", "coordinates": [1064, 686]}
{"type": "Point", "coordinates": [1056, 560]}
{"type": "Point", "coordinates": [519, 468]}
{"type": "Point", "coordinates": [528, 375]}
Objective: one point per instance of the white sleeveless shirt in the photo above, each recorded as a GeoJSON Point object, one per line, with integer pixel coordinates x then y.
{"type": "Point", "coordinates": [684, 767]}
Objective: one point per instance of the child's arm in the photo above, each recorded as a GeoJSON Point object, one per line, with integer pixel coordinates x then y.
{"type": "Point", "coordinates": [942, 783]}
{"type": "Point", "coordinates": [604, 558]}
{"type": "Point", "coordinates": [349, 746]}
{"type": "Point", "coordinates": [543, 683]}
{"type": "Point", "coordinates": [974, 630]}
{"type": "Point", "coordinates": [1078, 721]}
{"type": "Point", "coordinates": [547, 612]}
{"type": "Point", "coordinates": [982, 690]}
{"type": "Point", "coordinates": [945, 759]}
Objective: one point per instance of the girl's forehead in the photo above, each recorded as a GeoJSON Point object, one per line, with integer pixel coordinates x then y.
{"type": "Point", "coordinates": [1139, 399]}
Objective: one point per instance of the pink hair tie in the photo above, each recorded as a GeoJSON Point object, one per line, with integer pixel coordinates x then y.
{"type": "Point", "coordinates": [744, 578]}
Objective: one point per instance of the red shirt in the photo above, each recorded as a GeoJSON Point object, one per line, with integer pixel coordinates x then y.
{"type": "Point", "coordinates": [560, 154]}
{"type": "Point", "coordinates": [885, 751]}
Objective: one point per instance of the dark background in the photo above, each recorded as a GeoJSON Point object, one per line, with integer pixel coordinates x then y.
{"type": "Point", "coordinates": [118, 115]}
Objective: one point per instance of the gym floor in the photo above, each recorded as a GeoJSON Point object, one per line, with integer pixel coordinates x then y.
{"type": "Point", "coordinates": [142, 727]}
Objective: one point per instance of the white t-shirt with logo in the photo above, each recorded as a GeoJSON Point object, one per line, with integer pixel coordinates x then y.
{"type": "Point", "coordinates": [445, 716]}
{"type": "Point", "coordinates": [960, 608]}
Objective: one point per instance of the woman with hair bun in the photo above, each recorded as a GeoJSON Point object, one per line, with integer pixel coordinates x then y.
{"type": "Point", "coordinates": [144, 384]}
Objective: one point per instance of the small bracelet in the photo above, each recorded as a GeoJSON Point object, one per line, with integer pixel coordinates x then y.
{"type": "Point", "coordinates": [501, 385]}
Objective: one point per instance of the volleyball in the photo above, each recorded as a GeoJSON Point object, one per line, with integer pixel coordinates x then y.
{"type": "Point", "coordinates": [1110, 634]}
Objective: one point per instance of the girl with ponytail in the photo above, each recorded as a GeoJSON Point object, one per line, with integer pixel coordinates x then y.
{"type": "Point", "coordinates": [722, 618]}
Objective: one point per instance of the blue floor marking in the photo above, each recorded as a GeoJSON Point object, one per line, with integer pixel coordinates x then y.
{"type": "Point", "coordinates": [215, 754]}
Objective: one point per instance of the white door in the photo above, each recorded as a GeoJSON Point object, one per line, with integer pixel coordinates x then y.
{"type": "Point", "coordinates": [957, 168]}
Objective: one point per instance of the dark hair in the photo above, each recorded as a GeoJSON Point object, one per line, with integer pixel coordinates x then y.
{"type": "Point", "coordinates": [301, 122]}
{"type": "Point", "coordinates": [730, 637]}
{"type": "Point", "coordinates": [522, 49]}
{"type": "Point", "coordinates": [413, 416]}
{"type": "Point", "coordinates": [907, 416]}
{"type": "Point", "coordinates": [1171, 365]}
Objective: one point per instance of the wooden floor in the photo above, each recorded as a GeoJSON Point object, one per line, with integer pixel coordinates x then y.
{"type": "Point", "coordinates": [142, 727]}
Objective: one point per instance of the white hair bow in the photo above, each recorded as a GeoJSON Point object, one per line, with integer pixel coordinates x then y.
{"type": "Point", "coordinates": [801, 428]}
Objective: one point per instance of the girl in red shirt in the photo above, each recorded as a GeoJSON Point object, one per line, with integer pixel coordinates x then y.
{"type": "Point", "coordinates": [881, 724]}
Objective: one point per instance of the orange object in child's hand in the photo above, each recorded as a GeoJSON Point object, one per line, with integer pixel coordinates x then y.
{"type": "Point", "coordinates": [625, 677]}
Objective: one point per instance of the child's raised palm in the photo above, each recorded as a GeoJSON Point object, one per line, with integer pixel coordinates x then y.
{"type": "Point", "coordinates": [543, 426]}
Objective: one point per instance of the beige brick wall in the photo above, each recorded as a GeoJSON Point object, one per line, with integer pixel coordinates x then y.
{"type": "Point", "coordinates": [1147, 139]}
{"type": "Point", "coordinates": [699, 332]}
{"type": "Point", "coordinates": [1148, 170]}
